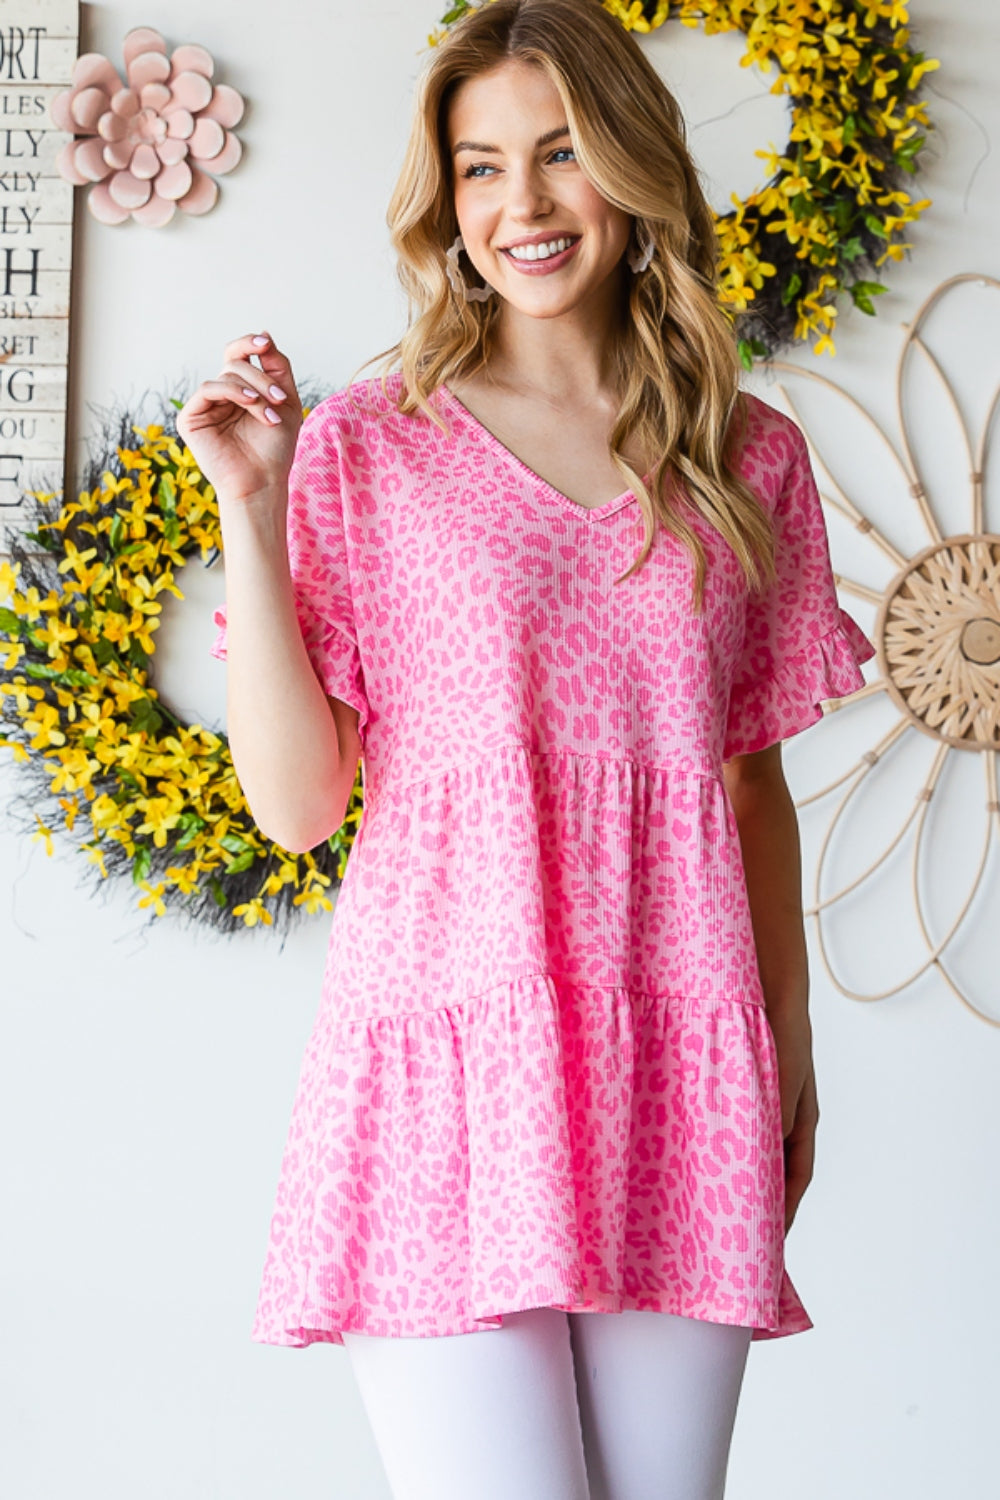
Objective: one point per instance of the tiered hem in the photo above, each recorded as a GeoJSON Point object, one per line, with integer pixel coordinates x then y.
{"type": "Point", "coordinates": [541, 1144]}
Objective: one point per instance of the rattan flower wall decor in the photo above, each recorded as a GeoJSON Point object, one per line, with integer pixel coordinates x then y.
{"type": "Point", "coordinates": [834, 208]}
{"type": "Point", "coordinates": [937, 634]}
{"type": "Point", "coordinates": [151, 145]}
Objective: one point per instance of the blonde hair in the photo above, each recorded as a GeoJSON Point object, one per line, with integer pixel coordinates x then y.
{"type": "Point", "coordinates": [675, 356]}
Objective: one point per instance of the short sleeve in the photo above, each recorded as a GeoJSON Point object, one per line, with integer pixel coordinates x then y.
{"type": "Point", "coordinates": [799, 647]}
{"type": "Point", "coordinates": [318, 556]}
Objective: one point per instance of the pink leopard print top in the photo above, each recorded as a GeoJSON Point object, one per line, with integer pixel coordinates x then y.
{"type": "Point", "coordinates": [541, 1072]}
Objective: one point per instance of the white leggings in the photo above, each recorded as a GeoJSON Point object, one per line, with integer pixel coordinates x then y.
{"type": "Point", "coordinates": [556, 1406]}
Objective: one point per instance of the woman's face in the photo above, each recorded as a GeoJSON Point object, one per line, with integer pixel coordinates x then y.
{"type": "Point", "coordinates": [517, 178]}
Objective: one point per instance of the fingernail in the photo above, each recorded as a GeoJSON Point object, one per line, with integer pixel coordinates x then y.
{"type": "Point", "coordinates": [276, 392]}
{"type": "Point", "coordinates": [272, 416]}
{"type": "Point", "coordinates": [248, 392]}
{"type": "Point", "coordinates": [261, 339]}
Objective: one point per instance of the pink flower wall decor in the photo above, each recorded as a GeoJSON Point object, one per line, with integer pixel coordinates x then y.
{"type": "Point", "coordinates": [146, 147]}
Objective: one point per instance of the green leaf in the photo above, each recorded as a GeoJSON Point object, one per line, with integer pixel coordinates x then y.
{"type": "Point", "coordinates": [141, 863]}
{"type": "Point", "coordinates": [116, 533]}
{"type": "Point", "coordinates": [875, 225]}
{"type": "Point", "coordinates": [215, 886]}
{"type": "Point", "coordinates": [167, 492]}
{"type": "Point", "coordinates": [243, 863]}
{"type": "Point", "coordinates": [49, 543]}
{"type": "Point", "coordinates": [104, 651]}
{"type": "Point", "coordinates": [36, 669]}
{"type": "Point", "coordinates": [174, 402]}
{"type": "Point", "coordinates": [10, 622]}
{"type": "Point", "coordinates": [746, 354]}
{"type": "Point", "coordinates": [850, 128]}
{"type": "Point", "coordinates": [192, 826]}
{"type": "Point", "coordinates": [144, 718]}
{"type": "Point", "coordinates": [793, 288]}
{"type": "Point", "coordinates": [851, 249]}
{"type": "Point", "coordinates": [868, 288]}
{"type": "Point", "coordinates": [137, 656]}
{"type": "Point", "coordinates": [234, 843]}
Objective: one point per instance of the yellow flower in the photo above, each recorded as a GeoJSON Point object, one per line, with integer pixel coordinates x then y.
{"type": "Point", "coordinates": [8, 579]}
{"type": "Point", "coordinates": [181, 876]}
{"type": "Point", "coordinates": [253, 912]}
{"type": "Point", "coordinates": [42, 725]}
{"type": "Point", "coordinates": [153, 896]}
{"type": "Point", "coordinates": [43, 834]}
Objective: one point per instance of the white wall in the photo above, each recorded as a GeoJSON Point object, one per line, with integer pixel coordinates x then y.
{"type": "Point", "coordinates": [148, 1071]}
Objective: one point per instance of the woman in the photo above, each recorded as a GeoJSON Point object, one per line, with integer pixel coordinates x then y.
{"type": "Point", "coordinates": [564, 589]}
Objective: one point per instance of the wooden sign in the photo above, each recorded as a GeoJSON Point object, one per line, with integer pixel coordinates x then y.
{"type": "Point", "coordinates": [38, 47]}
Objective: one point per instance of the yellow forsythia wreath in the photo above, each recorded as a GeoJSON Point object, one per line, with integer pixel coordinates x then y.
{"type": "Point", "coordinates": [140, 792]}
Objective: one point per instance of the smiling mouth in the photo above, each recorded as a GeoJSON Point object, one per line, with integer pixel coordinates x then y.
{"type": "Point", "coordinates": [536, 261]}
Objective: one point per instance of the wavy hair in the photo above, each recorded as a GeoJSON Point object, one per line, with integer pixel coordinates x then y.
{"type": "Point", "coordinates": [675, 360]}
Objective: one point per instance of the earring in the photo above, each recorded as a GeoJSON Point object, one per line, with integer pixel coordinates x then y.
{"type": "Point", "coordinates": [461, 287]}
{"type": "Point", "coordinates": [640, 257]}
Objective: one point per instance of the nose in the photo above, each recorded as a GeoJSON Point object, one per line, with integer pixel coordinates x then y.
{"type": "Point", "coordinates": [526, 195]}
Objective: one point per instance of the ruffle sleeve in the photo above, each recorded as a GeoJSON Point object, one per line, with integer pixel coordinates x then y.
{"type": "Point", "coordinates": [320, 570]}
{"type": "Point", "coordinates": [800, 648]}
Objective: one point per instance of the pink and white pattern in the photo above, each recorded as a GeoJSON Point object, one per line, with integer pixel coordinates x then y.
{"type": "Point", "coordinates": [541, 1073]}
{"type": "Point", "coordinates": [147, 147]}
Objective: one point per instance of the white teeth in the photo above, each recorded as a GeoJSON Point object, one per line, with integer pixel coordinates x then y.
{"type": "Point", "coordinates": [538, 252]}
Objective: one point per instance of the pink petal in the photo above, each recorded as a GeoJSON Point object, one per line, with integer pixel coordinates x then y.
{"type": "Point", "coordinates": [118, 154]}
{"type": "Point", "coordinates": [145, 162]}
{"type": "Point", "coordinates": [148, 67]}
{"type": "Point", "coordinates": [180, 122]}
{"type": "Point", "coordinates": [159, 128]}
{"type": "Point", "coordinates": [154, 95]}
{"type": "Point", "coordinates": [175, 181]}
{"type": "Point", "coordinates": [226, 106]}
{"type": "Point", "coordinates": [87, 107]}
{"type": "Point", "coordinates": [154, 214]}
{"type": "Point", "coordinates": [88, 158]}
{"type": "Point", "coordinates": [142, 39]}
{"type": "Point", "coordinates": [228, 157]}
{"type": "Point", "coordinates": [191, 90]}
{"type": "Point", "coordinates": [191, 58]}
{"type": "Point", "coordinates": [104, 207]}
{"type": "Point", "coordinates": [171, 152]}
{"type": "Point", "coordinates": [125, 103]}
{"type": "Point", "coordinates": [127, 191]}
{"type": "Point", "coordinates": [67, 168]}
{"type": "Point", "coordinates": [59, 110]}
{"type": "Point", "coordinates": [207, 139]}
{"type": "Point", "coordinates": [111, 127]}
{"type": "Point", "coordinates": [203, 195]}
{"type": "Point", "coordinates": [93, 69]}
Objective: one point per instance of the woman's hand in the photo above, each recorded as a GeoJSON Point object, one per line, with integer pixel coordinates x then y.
{"type": "Point", "coordinates": [799, 1106]}
{"type": "Point", "coordinates": [242, 428]}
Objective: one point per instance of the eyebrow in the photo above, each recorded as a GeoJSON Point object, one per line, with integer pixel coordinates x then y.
{"type": "Point", "coordinates": [543, 140]}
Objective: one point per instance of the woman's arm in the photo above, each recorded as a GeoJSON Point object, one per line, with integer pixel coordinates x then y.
{"type": "Point", "coordinates": [772, 860]}
{"type": "Point", "coordinates": [295, 749]}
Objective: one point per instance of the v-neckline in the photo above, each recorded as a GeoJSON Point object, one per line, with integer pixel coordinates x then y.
{"type": "Point", "coordinates": [588, 512]}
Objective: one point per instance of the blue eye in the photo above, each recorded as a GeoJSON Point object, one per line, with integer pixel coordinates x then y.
{"type": "Point", "coordinates": [473, 171]}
